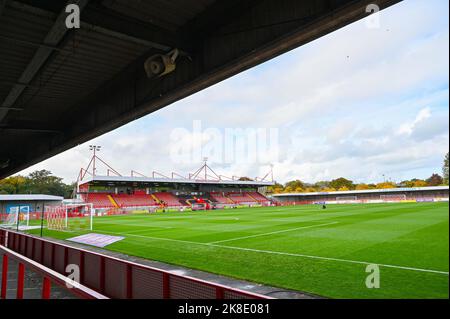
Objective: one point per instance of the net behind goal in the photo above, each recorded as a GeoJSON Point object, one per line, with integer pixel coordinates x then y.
{"type": "Point", "coordinates": [73, 217]}
{"type": "Point", "coordinates": [346, 198]}
{"type": "Point", "coordinates": [17, 217]}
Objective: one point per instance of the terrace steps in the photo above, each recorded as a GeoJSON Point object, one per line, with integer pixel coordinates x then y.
{"type": "Point", "coordinates": [111, 199]}
{"type": "Point", "coordinates": [156, 199]}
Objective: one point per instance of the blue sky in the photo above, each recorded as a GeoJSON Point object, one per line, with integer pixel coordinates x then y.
{"type": "Point", "coordinates": [359, 103]}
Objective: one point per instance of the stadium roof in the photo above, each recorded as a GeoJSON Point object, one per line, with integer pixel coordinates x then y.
{"type": "Point", "coordinates": [61, 87]}
{"type": "Point", "coordinates": [135, 179]}
{"type": "Point", "coordinates": [29, 197]}
{"type": "Point", "coordinates": [388, 190]}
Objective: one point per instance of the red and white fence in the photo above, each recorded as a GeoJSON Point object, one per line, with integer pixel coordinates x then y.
{"type": "Point", "coordinates": [106, 276]}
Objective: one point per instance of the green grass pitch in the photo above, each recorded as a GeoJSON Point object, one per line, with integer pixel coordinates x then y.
{"type": "Point", "coordinates": [306, 248]}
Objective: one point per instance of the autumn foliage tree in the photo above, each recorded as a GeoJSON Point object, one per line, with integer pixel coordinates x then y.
{"type": "Point", "coordinates": [435, 180]}
{"type": "Point", "coordinates": [341, 182]}
{"type": "Point", "coordinates": [386, 185]}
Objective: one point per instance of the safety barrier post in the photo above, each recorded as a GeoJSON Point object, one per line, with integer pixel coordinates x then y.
{"type": "Point", "coordinates": [219, 293]}
{"type": "Point", "coordinates": [4, 276]}
{"type": "Point", "coordinates": [46, 288]}
{"type": "Point", "coordinates": [20, 281]}
{"type": "Point", "coordinates": [129, 282]}
{"type": "Point", "coordinates": [166, 286]}
{"type": "Point", "coordinates": [102, 274]}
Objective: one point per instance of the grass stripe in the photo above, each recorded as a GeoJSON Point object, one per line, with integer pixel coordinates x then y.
{"type": "Point", "coordinates": [271, 233]}
{"type": "Point", "coordinates": [285, 253]}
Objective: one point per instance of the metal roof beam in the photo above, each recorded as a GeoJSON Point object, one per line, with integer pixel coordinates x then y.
{"type": "Point", "coordinates": [53, 38]}
{"type": "Point", "coordinates": [217, 15]}
{"type": "Point", "coordinates": [110, 22]}
{"type": "Point", "coordinates": [11, 108]}
{"type": "Point", "coordinates": [30, 129]}
{"type": "Point", "coordinates": [32, 44]}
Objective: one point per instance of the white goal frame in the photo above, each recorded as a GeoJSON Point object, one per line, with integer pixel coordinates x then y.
{"type": "Point", "coordinates": [346, 198]}
{"type": "Point", "coordinates": [14, 218]}
{"type": "Point", "coordinates": [57, 217]}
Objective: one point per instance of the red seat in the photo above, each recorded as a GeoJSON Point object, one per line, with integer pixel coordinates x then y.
{"type": "Point", "coordinates": [169, 198]}
{"type": "Point", "coordinates": [99, 200]}
{"type": "Point", "coordinates": [220, 198]}
{"type": "Point", "coordinates": [134, 200]}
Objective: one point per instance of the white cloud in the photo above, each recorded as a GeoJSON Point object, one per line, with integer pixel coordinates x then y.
{"type": "Point", "coordinates": [408, 128]}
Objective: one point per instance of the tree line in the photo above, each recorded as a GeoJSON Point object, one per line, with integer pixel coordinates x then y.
{"type": "Point", "coordinates": [38, 182]}
{"type": "Point", "coordinates": [344, 184]}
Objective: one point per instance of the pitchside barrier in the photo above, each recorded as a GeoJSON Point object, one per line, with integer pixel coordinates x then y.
{"type": "Point", "coordinates": [112, 277]}
{"type": "Point", "coordinates": [49, 278]}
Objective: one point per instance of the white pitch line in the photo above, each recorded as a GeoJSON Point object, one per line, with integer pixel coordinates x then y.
{"type": "Point", "coordinates": [286, 254]}
{"type": "Point", "coordinates": [335, 259]}
{"type": "Point", "coordinates": [151, 237]}
{"type": "Point", "coordinates": [271, 233]}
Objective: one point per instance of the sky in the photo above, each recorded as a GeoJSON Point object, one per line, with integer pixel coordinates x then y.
{"type": "Point", "coordinates": [368, 102]}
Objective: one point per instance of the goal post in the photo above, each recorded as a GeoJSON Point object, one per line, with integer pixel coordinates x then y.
{"type": "Point", "coordinates": [70, 217]}
{"type": "Point", "coordinates": [346, 198]}
{"type": "Point", "coordinates": [17, 217]}
{"type": "Point", "coordinates": [11, 218]}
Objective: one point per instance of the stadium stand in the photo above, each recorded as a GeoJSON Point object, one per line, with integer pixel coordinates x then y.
{"type": "Point", "coordinates": [134, 200]}
{"type": "Point", "coordinates": [182, 199]}
{"type": "Point", "coordinates": [220, 198]}
{"type": "Point", "coordinates": [258, 197]}
{"type": "Point", "coordinates": [168, 198]}
{"type": "Point", "coordinates": [100, 200]}
{"type": "Point", "coordinates": [416, 194]}
{"type": "Point", "coordinates": [139, 199]}
{"type": "Point", "coordinates": [241, 198]}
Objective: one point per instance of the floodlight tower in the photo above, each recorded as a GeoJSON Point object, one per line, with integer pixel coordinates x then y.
{"type": "Point", "coordinates": [94, 148]}
{"type": "Point", "coordinates": [205, 159]}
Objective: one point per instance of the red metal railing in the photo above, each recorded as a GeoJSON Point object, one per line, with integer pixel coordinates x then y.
{"type": "Point", "coordinates": [49, 277]}
{"type": "Point", "coordinates": [114, 277]}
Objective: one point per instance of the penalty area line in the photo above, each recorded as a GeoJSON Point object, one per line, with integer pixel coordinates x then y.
{"type": "Point", "coordinates": [283, 253]}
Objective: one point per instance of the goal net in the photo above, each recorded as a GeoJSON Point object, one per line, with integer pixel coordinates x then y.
{"type": "Point", "coordinates": [17, 217]}
{"type": "Point", "coordinates": [344, 198]}
{"type": "Point", "coordinates": [73, 217]}
{"type": "Point", "coordinates": [393, 197]}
